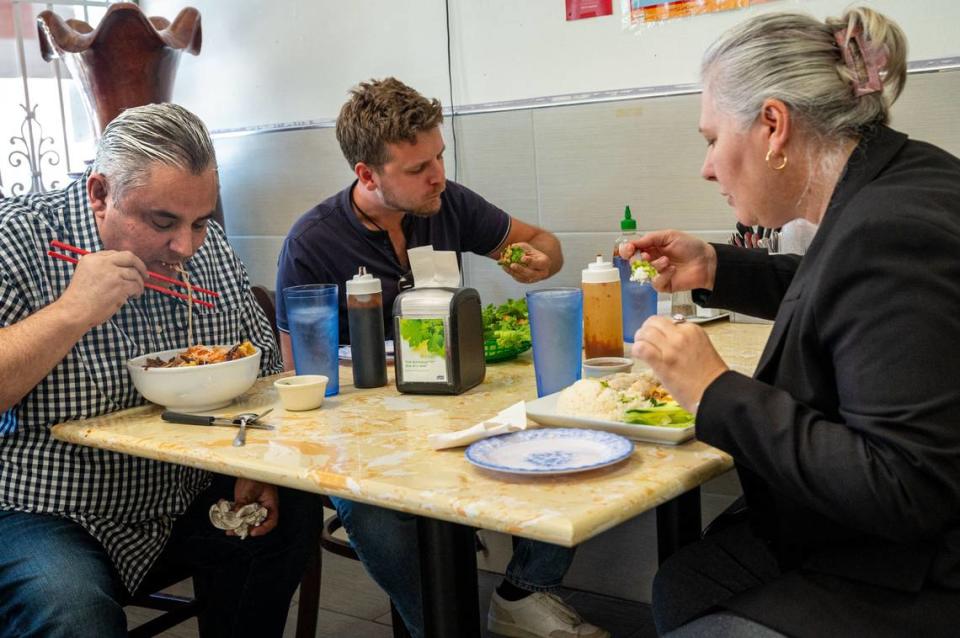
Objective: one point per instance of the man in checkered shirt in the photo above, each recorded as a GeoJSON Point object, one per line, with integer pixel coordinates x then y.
{"type": "Point", "coordinates": [81, 528]}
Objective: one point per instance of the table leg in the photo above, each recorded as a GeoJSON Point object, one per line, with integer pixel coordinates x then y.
{"type": "Point", "coordinates": [448, 579]}
{"type": "Point", "coordinates": [678, 523]}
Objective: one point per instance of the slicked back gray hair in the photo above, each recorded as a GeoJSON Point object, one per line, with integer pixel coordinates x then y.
{"type": "Point", "coordinates": [143, 135]}
{"type": "Point", "coordinates": [795, 58]}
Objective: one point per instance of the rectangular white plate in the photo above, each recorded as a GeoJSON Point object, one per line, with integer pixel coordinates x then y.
{"type": "Point", "coordinates": [699, 319]}
{"type": "Point", "coordinates": [544, 411]}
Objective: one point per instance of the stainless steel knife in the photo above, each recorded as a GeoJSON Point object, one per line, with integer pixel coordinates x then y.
{"type": "Point", "coordinates": [199, 419]}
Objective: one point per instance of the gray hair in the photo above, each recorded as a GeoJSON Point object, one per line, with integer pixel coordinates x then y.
{"type": "Point", "coordinates": [143, 135]}
{"type": "Point", "coordinates": [795, 58]}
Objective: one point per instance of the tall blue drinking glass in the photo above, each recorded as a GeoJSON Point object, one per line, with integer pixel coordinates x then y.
{"type": "Point", "coordinates": [313, 318]}
{"type": "Point", "coordinates": [556, 329]}
{"type": "Point", "coordinates": [639, 300]}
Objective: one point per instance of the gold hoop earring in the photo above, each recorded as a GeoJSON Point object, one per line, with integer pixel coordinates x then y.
{"type": "Point", "coordinates": [782, 165]}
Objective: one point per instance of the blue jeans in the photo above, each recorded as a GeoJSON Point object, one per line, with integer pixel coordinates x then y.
{"type": "Point", "coordinates": [57, 581]}
{"type": "Point", "coordinates": [386, 542]}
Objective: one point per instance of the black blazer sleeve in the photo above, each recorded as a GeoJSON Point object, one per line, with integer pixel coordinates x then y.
{"type": "Point", "coordinates": [881, 330]}
{"type": "Point", "coordinates": [749, 281]}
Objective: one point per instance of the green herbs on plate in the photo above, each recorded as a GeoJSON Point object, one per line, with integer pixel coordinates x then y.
{"type": "Point", "coordinates": [668, 414]}
{"type": "Point", "coordinates": [508, 324]}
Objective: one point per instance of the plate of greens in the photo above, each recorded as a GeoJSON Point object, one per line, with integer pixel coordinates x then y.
{"type": "Point", "coordinates": [506, 330]}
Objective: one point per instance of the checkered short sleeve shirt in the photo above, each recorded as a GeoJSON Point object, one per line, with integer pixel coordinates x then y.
{"type": "Point", "coordinates": [127, 503]}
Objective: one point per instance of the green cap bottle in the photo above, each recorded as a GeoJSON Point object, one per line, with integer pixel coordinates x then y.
{"type": "Point", "coordinates": [628, 224]}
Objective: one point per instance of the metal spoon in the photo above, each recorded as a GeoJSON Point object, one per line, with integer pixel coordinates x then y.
{"type": "Point", "coordinates": [241, 438]}
{"type": "Point", "coordinates": [245, 419]}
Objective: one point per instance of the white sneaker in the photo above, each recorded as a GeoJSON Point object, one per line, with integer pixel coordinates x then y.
{"type": "Point", "coordinates": [539, 615]}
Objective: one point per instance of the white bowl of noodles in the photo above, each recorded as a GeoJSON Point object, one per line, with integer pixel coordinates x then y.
{"type": "Point", "coordinates": [194, 388]}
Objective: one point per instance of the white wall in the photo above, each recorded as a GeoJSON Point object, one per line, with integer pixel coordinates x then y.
{"type": "Point", "coordinates": [508, 50]}
{"type": "Point", "coordinates": [290, 60]}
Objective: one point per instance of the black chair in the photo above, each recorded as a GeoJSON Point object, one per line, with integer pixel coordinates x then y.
{"type": "Point", "coordinates": [177, 609]}
{"type": "Point", "coordinates": [268, 304]}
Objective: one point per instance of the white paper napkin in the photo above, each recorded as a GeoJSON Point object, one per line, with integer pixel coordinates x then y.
{"type": "Point", "coordinates": [511, 419]}
{"type": "Point", "coordinates": [434, 268]}
{"type": "Point", "coordinates": [241, 521]}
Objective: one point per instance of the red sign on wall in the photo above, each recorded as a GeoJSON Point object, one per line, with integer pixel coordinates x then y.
{"type": "Point", "coordinates": [580, 9]}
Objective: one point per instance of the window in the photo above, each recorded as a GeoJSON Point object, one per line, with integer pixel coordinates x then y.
{"type": "Point", "coordinates": [45, 132]}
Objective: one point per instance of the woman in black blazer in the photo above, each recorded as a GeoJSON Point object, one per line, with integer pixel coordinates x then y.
{"type": "Point", "coordinates": [847, 438]}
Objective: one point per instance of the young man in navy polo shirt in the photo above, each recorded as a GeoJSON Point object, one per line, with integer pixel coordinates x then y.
{"type": "Point", "coordinates": [390, 135]}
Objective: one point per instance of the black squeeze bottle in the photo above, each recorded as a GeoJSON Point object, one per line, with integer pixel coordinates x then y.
{"type": "Point", "coordinates": [365, 316]}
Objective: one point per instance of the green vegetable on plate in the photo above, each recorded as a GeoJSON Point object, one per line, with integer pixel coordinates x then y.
{"type": "Point", "coordinates": [508, 324]}
{"type": "Point", "coordinates": [665, 415]}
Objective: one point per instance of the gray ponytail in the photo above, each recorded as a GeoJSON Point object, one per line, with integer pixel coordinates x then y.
{"type": "Point", "coordinates": [796, 59]}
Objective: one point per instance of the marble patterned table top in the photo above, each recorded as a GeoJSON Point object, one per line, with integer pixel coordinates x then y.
{"type": "Point", "coordinates": [371, 446]}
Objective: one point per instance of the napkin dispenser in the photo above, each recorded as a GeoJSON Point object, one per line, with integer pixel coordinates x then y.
{"type": "Point", "coordinates": [438, 336]}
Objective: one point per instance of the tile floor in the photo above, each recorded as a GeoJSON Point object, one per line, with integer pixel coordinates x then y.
{"type": "Point", "coordinates": [352, 606]}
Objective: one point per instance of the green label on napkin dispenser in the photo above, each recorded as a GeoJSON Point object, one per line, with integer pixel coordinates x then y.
{"type": "Point", "coordinates": [423, 344]}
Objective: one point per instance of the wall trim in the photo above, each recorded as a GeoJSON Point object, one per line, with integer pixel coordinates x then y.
{"type": "Point", "coordinates": [571, 99]}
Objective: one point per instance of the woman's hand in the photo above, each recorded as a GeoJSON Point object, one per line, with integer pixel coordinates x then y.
{"type": "Point", "coordinates": [681, 356]}
{"type": "Point", "coordinates": [682, 261]}
{"type": "Point", "coordinates": [246, 491]}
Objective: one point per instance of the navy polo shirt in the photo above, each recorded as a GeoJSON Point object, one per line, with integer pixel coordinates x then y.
{"type": "Point", "coordinates": [328, 244]}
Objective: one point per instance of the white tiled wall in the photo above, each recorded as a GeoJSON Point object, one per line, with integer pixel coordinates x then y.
{"type": "Point", "coordinates": [569, 169]}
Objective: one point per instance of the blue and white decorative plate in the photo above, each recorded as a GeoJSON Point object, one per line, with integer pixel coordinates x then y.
{"type": "Point", "coordinates": [549, 451]}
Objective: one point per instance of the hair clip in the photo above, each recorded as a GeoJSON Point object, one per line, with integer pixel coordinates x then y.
{"type": "Point", "coordinates": [866, 61]}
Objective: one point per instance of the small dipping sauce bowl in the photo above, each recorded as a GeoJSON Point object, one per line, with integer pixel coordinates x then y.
{"type": "Point", "coordinates": [301, 392]}
{"type": "Point", "coordinates": [602, 366]}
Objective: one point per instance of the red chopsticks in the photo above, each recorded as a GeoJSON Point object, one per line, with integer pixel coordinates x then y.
{"type": "Point", "coordinates": [154, 275]}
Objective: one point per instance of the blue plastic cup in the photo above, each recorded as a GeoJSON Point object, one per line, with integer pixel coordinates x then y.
{"type": "Point", "coordinates": [556, 329]}
{"type": "Point", "coordinates": [314, 324]}
{"type": "Point", "coordinates": [639, 300]}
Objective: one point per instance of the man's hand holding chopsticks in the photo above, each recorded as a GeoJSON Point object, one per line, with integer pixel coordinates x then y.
{"type": "Point", "coordinates": [30, 348]}
{"type": "Point", "coordinates": [102, 283]}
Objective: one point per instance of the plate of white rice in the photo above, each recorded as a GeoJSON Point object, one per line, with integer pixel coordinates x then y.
{"type": "Point", "coordinates": [604, 403]}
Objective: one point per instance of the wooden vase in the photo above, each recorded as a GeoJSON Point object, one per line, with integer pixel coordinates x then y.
{"type": "Point", "coordinates": [128, 60]}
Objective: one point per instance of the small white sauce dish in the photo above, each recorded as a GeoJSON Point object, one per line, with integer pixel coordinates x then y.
{"type": "Point", "coordinates": [602, 366]}
{"type": "Point", "coordinates": [301, 392]}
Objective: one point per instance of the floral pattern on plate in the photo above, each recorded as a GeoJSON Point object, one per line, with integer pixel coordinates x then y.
{"type": "Point", "coordinates": [549, 451]}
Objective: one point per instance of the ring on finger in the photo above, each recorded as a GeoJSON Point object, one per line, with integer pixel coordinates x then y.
{"type": "Point", "coordinates": [678, 318]}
